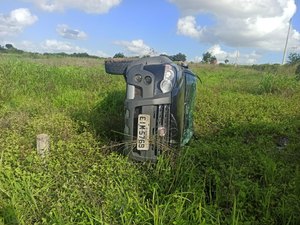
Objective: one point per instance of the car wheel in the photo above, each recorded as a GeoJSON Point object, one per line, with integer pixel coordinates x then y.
{"type": "Point", "coordinates": [117, 66]}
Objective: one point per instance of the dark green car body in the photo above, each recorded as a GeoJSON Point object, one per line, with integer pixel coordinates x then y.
{"type": "Point", "coordinates": [159, 104]}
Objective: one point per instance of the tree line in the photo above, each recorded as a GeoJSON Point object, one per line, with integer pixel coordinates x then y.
{"type": "Point", "coordinates": [177, 57]}
{"type": "Point", "coordinates": [9, 48]}
{"type": "Point", "coordinates": [207, 57]}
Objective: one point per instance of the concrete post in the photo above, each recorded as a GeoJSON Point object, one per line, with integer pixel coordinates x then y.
{"type": "Point", "coordinates": [43, 144]}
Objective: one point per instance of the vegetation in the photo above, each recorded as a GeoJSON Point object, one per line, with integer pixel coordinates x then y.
{"type": "Point", "coordinates": [297, 72]}
{"type": "Point", "coordinates": [208, 57]}
{"type": "Point", "coordinates": [294, 58]}
{"type": "Point", "coordinates": [243, 167]}
{"type": "Point", "coordinates": [178, 57]}
{"type": "Point", "coordinates": [119, 55]}
{"type": "Point", "coordinates": [10, 49]}
{"type": "Point", "coordinates": [79, 55]}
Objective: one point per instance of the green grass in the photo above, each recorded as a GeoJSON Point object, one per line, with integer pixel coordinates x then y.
{"type": "Point", "coordinates": [243, 167]}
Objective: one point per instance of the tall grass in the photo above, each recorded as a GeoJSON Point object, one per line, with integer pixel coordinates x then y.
{"type": "Point", "coordinates": [243, 167]}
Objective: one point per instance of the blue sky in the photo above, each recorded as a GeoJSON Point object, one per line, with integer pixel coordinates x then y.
{"type": "Point", "coordinates": [249, 32]}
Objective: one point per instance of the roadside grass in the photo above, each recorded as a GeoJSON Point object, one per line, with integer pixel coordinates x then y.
{"type": "Point", "coordinates": [241, 168]}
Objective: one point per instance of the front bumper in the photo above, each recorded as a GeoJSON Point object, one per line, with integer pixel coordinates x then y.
{"type": "Point", "coordinates": [161, 116]}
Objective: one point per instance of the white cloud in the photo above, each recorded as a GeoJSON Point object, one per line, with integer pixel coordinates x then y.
{"type": "Point", "coordinates": [16, 21]}
{"type": "Point", "coordinates": [218, 52]}
{"type": "Point", "coordinates": [296, 35]}
{"type": "Point", "coordinates": [233, 56]}
{"type": "Point", "coordinates": [60, 46]}
{"type": "Point", "coordinates": [136, 47]}
{"type": "Point", "coordinates": [100, 54]}
{"type": "Point", "coordinates": [239, 23]}
{"type": "Point", "coordinates": [235, 8]}
{"type": "Point", "coordinates": [64, 31]}
{"type": "Point", "coordinates": [27, 46]}
{"type": "Point", "coordinates": [187, 26]}
{"type": "Point", "coordinates": [55, 46]}
{"type": "Point", "coordinates": [89, 6]}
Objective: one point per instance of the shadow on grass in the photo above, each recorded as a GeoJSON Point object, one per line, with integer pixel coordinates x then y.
{"type": "Point", "coordinates": [8, 215]}
{"type": "Point", "coordinates": [107, 116]}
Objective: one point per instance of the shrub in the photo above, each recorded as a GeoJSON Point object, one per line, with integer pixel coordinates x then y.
{"type": "Point", "coordinates": [297, 72]}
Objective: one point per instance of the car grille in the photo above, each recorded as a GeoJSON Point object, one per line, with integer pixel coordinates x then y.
{"type": "Point", "coordinates": [161, 119]}
{"type": "Point", "coordinates": [162, 122]}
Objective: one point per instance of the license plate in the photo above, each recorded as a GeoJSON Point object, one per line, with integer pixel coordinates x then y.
{"type": "Point", "coordinates": [143, 132]}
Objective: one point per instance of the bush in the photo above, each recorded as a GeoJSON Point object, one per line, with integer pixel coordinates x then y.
{"type": "Point", "coordinates": [297, 72]}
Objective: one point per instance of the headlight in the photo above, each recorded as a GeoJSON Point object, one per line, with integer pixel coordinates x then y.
{"type": "Point", "coordinates": [169, 74]}
{"type": "Point", "coordinates": [166, 84]}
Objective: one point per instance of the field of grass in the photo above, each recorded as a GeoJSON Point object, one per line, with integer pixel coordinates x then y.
{"type": "Point", "coordinates": [241, 168]}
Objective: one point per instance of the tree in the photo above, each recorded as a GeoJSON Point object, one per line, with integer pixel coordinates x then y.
{"type": "Point", "coordinates": [179, 57]}
{"type": "Point", "coordinates": [9, 46]}
{"type": "Point", "coordinates": [207, 57]}
{"type": "Point", "coordinates": [297, 72]}
{"type": "Point", "coordinates": [226, 61]}
{"type": "Point", "coordinates": [294, 58]}
{"type": "Point", "coordinates": [213, 60]}
{"type": "Point", "coordinates": [119, 55]}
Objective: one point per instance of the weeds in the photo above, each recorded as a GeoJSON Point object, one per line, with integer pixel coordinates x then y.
{"type": "Point", "coordinates": [297, 72]}
{"type": "Point", "coordinates": [242, 169]}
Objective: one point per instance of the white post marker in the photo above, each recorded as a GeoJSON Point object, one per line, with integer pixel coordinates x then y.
{"type": "Point", "coordinates": [43, 144]}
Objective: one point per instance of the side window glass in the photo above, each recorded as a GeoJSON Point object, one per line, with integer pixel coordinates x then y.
{"type": "Point", "coordinates": [190, 93]}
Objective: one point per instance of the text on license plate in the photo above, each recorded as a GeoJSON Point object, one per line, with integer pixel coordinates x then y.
{"type": "Point", "coordinates": [143, 132]}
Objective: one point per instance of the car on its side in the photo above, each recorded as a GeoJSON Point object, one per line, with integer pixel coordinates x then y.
{"type": "Point", "coordinates": [160, 96]}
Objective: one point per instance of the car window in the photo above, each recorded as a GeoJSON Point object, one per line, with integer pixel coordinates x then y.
{"type": "Point", "coordinates": [190, 93]}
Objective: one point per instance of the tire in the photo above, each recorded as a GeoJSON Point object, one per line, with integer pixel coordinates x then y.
{"type": "Point", "coordinates": [117, 66]}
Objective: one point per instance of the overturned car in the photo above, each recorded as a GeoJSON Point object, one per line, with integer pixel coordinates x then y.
{"type": "Point", "coordinates": [159, 105]}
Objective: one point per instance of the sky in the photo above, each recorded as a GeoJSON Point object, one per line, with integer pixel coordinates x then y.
{"type": "Point", "coordinates": [241, 31]}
